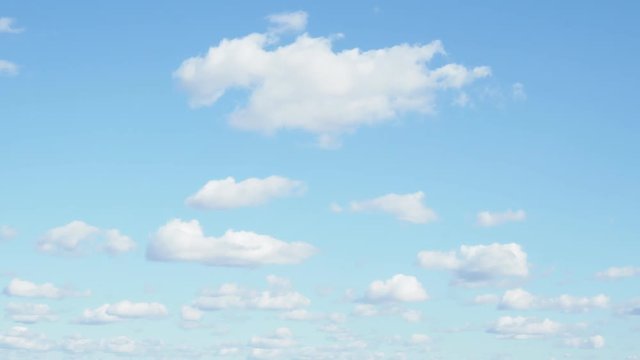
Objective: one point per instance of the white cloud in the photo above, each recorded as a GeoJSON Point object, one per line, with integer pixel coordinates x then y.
{"type": "Point", "coordinates": [24, 288]}
{"type": "Point", "coordinates": [490, 219]}
{"type": "Point", "coordinates": [307, 85]}
{"type": "Point", "coordinates": [517, 92]}
{"type": "Point", "coordinates": [21, 338]}
{"type": "Point", "coordinates": [630, 308]}
{"type": "Point", "coordinates": [484, 299]}
{"type": "Point", "coordinates": [123, 310]}
{"type": "Point", "coordinates": [7, 68]}
{"type": "Point", "coordinates": [291, 21]}
{"type": "Point", "coordinates": [419, 339]}
{"type": "Point", "coordinates": [70, 238]}
{"type": "Point", "coordinates": [7, 232]}
{"type": "Point", "coordinates": [229, 296]}
{"type": "Point", "coordinates": [524, 328]}
{"type": "Point", "coordinates": [300, 315]}
{"type": "Point", "coordinates": [407, 207]}
{"type": "Point", "coordinates": [190, 313]}
{"type": "Point", "coordinates": [282, 338]}
{"type": "Point", "coordinates": [185, 241]}
{"type": "Point", "coordinates": [7, 26]}
{"type": "Point", "coordinates": [365, 310]}
{"type": "Point", "coordinates": [29, 313]}
{"type": "Point", "coordinates": [227, 193]}
{"type": "Point", "coordinates": [402, 288]}
{"type": "Point", "coordinates": [117, 243]}
{"type": "Point", "coordinates": [592, 342]}
{"type": "Point", "coordinates": [519, 299]}
{"type": "Point", "coordinates": [477, 265]}
{"type": "Point", "coordinates": [613, 273]}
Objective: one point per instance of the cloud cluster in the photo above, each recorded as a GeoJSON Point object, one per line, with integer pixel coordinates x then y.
{"type": "Point", "coordinates": [70, 239]}
{"type": "Point", "coordinates": [476, 265]}
{"type": "Point", "coordinates": [592, 342]}
{"type": "Point", "coordinates": [490, 219]}
{"type": "Point", "coordinates": [227, 193]}
{"type": "Point", "coordinates": [405, 207]}
{"type": "Point", "coordinates": [180, 240]}
{"type": "Point", "coordinates": [123, 310]}
{"type": "Point", "coordinates": [307, 85]}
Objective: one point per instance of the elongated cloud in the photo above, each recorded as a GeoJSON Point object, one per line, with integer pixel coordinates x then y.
{"type": "Point", "coordinates": [490, 219]}
{"type": "Point", "coordinates": [24, 288]}
{"type": "Point", "coordinates": [614, 273]}
{"type": "Point", "coordinates": [232, 296]}
{"type": "Point", "coordinates": [227, 193]}
{"type": "Point", "coordinates": [405, 207]}
{"type": "Point", "coordinates": [519, 299]}
{"type": "Point", "coordinates": [524, 328]}
{"type": "Point", "coordinates": [476, 265]}
{"type": "Point", "coordinates": [185, 241]}
{"type": "Point", "coordinates": [123, 310]}
{"type": "Point", "coordinates": [307, 85]}
{"type": "Point", "coordinates": [29, 313]}
{"type": "Point", "coordinates": [70, 239]}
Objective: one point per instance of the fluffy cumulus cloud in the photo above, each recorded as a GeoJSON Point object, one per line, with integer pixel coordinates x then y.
{"type": "Point", "coordinates": [7, 25]}
{"type": "Point", "coordinates": [592, 342]}
{"type": "Point", "coordinates": [29, 313]}
{"type": "Point", "coordinates": [476, 265]}
{"type": "Point", "coordinates": [524, 328]}
{"type": "Point", "coordinates": [614, 273]}
{"type": "Point", "coordinates": [232, 296]}
{"type": "Point", "coordinates": [490, 219]}
{"type": "Point", "coordinates": [72, 237]}
{"type": "Point", "coordinates": [271, 346]}
{"type": "Point", "coordinates": [24, 288]}
{"type": "Point", "coordinates": [7, 68]}
{"type": "Point", "coordinates": [185, 241]}
{"type": "Point", "coordinates": [7, 232]}
{"type": "Point", "coordinates": [123, 310]}
{"type": "Point", "coordinates": [400, 288]}
{"type": "Point", "coordinates": [405, 207]}
{"type": "Point", "coordinates": [519, 299]}
{"type": "Point", "coordinates": [307, 85]}
{"type": "Point", "coordinates": [227, 193]}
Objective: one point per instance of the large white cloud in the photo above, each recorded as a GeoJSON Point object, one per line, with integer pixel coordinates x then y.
{"type": "Point", "coordinates": [70, 238]}
{"type": "Point", "coordinates": [309, 86]}
{"type": "Point", "coordinates": [489, 219]}
{"type": "Point", "coordinates": [524, 328]}
{"type": "Point", "coordinates": [185, 241]}
{"type": "Point", "coordinates": [29, 313]}
{"type": "Point", "coordinates": [227, 193]}
{"type": "Point", "coordinates": [24, 288]}
{"type": "Point", "coordinates": [123, 310]}
{"type": "Point", "coordinates": [519, 299]}
{"type": "Point", "coordinates": [400, 287]}
{"type": "Point", "coordinates": [475, 265]}
{"type": "Point", "coordinates": [405, 207]}
{"type": "Point", "coordinates": [614, 272]}
{"type": "Point", "coordinates": [232, 296]}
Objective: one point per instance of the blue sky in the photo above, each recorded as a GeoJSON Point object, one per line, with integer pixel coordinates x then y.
{"type": "Point", "coordinates": [319, 180]}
